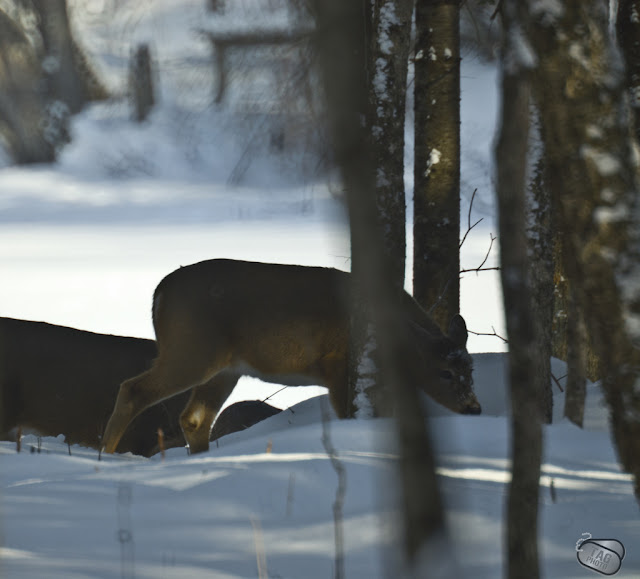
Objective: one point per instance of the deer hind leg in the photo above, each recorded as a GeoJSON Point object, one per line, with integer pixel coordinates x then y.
{"type": "Point", "coordinates": [206, 400]}
{"type": "Point", "coordinates": [335, 378]}
{"type": "Point", "coordinates": [163, 380]}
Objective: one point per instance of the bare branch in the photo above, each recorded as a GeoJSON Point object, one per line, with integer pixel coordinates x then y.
{"type": "Point", "coordinates": [486, 257]}
{"type": "Point", "coordinates": [469, 226]}
{"type": "Point", "coordinates": [492, 334]}
{"type": "Point", "coordinates": [474, 269]}
{"type": "Point", "coordinates": [479, 269]}
{"type": "Point", "coordinates": [276, 392]}
{"type": "Point", "coordinates": [557, 381]}
{"type": "Point", "coordinates": [497, 10]}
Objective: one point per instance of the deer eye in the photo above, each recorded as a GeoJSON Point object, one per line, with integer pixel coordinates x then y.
{"type": "Point", "coordinates": [446, 375]}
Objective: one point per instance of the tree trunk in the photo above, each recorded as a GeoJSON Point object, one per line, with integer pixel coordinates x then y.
{"type": "Point", "coordinates": [21, 105]}
{"type": "Point", "coordinates": [567, 340]}
{"type": "Point", "coordinates": [141, 83]}
{"type": "Point", "coordinates": [340, 27]}
{"type": "Point", "coordinates": [436, 200]}
{"type": "Point", "coordinates": [580, 92]}
{"type": "Point", "coordinates": [387, 76]}
{"type": "Point", "coordinates": [628, 29]}
{"type": "Point", "coordinates": [388, 26]}
{"type": "Point", "coordinates": [40, 89]}
{"type": "Point", "coordinates": [525, 387]}
{"type": "Point", "coordinates": [576, 387]}
{"type": "Point", "coordinates": [64, 82]}
{"type": "Point", "coordinates": [540, 241]}
{"type": "Point", "coordinates": [215, 5]}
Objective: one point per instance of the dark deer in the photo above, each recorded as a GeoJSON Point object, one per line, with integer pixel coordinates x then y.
{"type": "Point", "coordinates": [241, 415]}
{"type": "Point", "coordinates": [58, 380]}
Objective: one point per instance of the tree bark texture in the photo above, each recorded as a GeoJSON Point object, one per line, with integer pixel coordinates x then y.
{"type": "Point", "coordinates": [628, 30]}
{"type": "Point", "coordinates": [21, 97]}
{"type": "Point", "coordinates": [436, 201]}
{"type": "Point", "coordinates": [387, 77]}
{"type": "Point", "coordinates": [525, 387]}
{"type": "Point", "coordinates": [141, 83]}
{"type": "Point", "coordinates": [567, 339]}
{"type": "Point", "coordinates": [540, 241]}
{"type": "Point", "coordinates": [579, 86]}
{"type": "Point", "coordinates": [339, 27]}
{"type": "Point", "coordinates": [41, 84]}
{"type": "Point", "coordinates": [386, 25]}
{"type": "Point", "coordinates": [64, 82]}
{"type": "Point", "coordinates": [70, 78]}
{"type": "Point", "coordinates": [577, 349]}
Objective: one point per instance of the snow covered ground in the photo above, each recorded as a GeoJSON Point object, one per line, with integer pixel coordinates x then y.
{"type": "Point", "coordinates": [266, 494]}
{"type": "Point", "coordinates": [84, 243]}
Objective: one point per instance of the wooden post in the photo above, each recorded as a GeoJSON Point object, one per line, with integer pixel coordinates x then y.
{"type": "Point", "coordinates": [141, 83]}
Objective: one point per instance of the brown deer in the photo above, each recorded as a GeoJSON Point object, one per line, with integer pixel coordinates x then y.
{"type": "Point", "coordinates": [59, 380]}
{"type": "Point", "coordinates": [219, 319]}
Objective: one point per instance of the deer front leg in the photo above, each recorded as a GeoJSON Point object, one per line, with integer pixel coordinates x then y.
{"type": "Point", "coordinates": [203, 406]}
{"type": "Point", "coordinates": [175, 370]}
{"type": "Point", "coordinates": [134, 396]}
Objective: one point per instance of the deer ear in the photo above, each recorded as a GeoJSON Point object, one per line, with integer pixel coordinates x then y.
{"type": "Point", "coordinates": [458, 331]}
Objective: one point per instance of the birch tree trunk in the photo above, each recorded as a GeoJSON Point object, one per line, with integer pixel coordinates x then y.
{"type": "Point", "coordinates": [388, 63]}
{"type": "Point", "coordinates": [389, 28]}
{"type": "Point", "coordinates": [436, 201]}
{"type": "Point", "coordinates": [526, 427]}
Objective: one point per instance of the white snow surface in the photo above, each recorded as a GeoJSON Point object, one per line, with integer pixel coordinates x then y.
{"type": "Point", "coordinates": [84, 242]}
{"type": "Point", "coordinates": [193, 516]}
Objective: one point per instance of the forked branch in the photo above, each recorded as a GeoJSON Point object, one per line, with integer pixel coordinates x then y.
{"type": "Point", "coordinates": [486, 257]}
{"type": "Point", "coordinates": [469, 226]}
{"type": "Point", "coordinates": [492, 334]}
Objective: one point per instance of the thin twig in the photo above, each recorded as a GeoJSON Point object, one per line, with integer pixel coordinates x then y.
{"type": "Point", "coordinates": [494, 334]}
{"type": "Point", "coordinates": [475, 269]}
{"type": "Point", "coordinates": [469, 226]}
{"type": "Point", "coordinates": [276, 392]}
{"type": "Point", "coordinates": [486, 257]}
{"type": "Point", "coordinates": [497, 10]}
{"type": "Point", "coordinates": [479, 269]}
{"type": "Point", "coordinates": [340, 492]}
{"type": "Point", "coordinates": [161, 442]}
{"type": "Point", "coordinates": [557, 381]}
{"type": "Point", "coordinates": [258, 542]}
